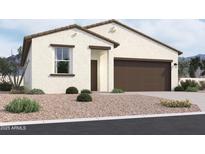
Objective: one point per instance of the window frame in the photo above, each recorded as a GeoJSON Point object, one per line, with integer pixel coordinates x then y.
{"type": "Point", "coordinates": [70, 59]}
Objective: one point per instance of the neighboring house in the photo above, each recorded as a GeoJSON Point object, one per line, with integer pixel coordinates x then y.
{"type": "Point", "coordinates": [99, 57]}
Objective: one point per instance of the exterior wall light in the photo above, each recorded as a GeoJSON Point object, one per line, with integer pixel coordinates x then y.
{"type": "Point", "coordinates": [175, 64]}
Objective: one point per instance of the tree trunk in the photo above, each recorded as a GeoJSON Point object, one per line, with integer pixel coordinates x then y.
{"type": "Point", "coordinates": [10, 79]}
{"type": "Point", "coordinates": [24, 71]}
{"type": "Point", "coordinates": [15, 84]}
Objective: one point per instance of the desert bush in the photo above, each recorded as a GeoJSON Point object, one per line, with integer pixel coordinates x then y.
{"type": "Point", "coordinates": [19, 90]}
{"type": "Point", "coordinates": [202, 85]}
{"type": "Point", "coordinates": [117, 90]}
{"type": "Point", "coordinates": [5, 86]}
{"type": "Point", "coordinates": [85, 91]}
{"type": "Point", "coordinates": [176, 103]}
{"type": "Point", "coordinates": [84, 97]}
{"type": "Point", "coordinates": [72, 90]}
{"type": "Point", "coordinates": [25, 105]}
{"type": "Point", "coordinates": [179, 88]}
{"type": "Point", "coordinates": [192, 89]}
{"type": "Point", "coordinates": [36, 92]}
{"type": "Point", "coordinates": [189, 83]}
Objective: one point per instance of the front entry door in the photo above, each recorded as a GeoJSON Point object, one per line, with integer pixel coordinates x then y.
{"type": "Point", "coordinates": [94, 75]}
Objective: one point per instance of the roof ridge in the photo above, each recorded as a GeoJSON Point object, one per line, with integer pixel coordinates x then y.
{"type": "Point", "coordinates": [100, 23]}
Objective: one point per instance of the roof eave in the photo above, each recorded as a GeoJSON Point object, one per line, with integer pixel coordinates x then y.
{"type": "Point", "coordinates": [28, 39]}
{"type": "Point", "coordinates": [25, 51]}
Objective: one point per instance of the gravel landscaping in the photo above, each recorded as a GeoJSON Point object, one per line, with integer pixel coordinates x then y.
{"type": "Point", "coordinates": [62, 106]}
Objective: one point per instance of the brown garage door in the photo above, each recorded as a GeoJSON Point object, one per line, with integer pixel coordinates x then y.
{"type": "Point", "coordinates": [135, 75]}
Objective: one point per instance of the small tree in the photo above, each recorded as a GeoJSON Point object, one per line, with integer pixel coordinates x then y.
{"type": "Point", "coordinates": [183, 67]}
{"type": "Point", "coordinates": [202, 67]}
{"type": "Point", "coordinates": [13, 70]}
{"type": "Point", "coordinates": [16, 74]}
{"type": "Point", "coordinates": [3, 69]}
{"type": "Point", "coordinates": [193, 66]}
{"type": "Point", "coordinates": [20, 50]}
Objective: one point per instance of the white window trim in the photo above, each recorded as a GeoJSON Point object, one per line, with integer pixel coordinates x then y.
{"type": "Point", "coordinates": [70, 50]}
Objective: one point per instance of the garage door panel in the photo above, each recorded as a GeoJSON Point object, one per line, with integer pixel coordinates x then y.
{"type": "Point", "coordinates": [133, 75]}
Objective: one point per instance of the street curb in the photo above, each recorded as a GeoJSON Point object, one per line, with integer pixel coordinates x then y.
{"type": "Point", "coordinates": [98, 119]}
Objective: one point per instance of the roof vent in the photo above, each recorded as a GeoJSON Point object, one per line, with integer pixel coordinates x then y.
{"type": "Point", "coordinates": [113, 29]}
{"type": "Point", "coordinates": [73, 35]}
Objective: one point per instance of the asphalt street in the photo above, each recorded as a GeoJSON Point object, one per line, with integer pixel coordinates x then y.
{"type": "Point", "coordinates": [173, 125]}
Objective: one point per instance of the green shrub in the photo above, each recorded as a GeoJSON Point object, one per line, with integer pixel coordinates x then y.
{"type": "Point", "coordinates": [25, 105]}
{"type": "Point", "coordinates": [192, 89]}
{"type": "Point", "coordinates": [36, 91]}
{"type": "Point", "coordinates": [117, 90]}
{"type": "Point", "coordinates": [179, 88]}
{"type": "Point", "coordinates": [72, 90]}
{"type": "Point", "coordinates": [19, 90]}
{"type": "Point", "coordinates": [5, 86]}
{"type": "Point", "coordinates": [189, 83]}
{"type": "Point", "coordinates": [85, 91]}
{"type": "Point", "coordinates": [84, 97]}
{"type": "Point", "coordinates": [202, 85]}
{"type": "Point", "coordinates": [176, 103]}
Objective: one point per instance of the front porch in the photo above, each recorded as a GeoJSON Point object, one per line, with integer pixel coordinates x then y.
{"type": "Point", "coordinates": [101, 69]}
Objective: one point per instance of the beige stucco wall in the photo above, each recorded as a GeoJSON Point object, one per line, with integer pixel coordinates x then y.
{"type": "Point", "coordinates": [28, 73]}
{"type": "Point", "coordinates": [133, 45]}
{"type": "Point", "coordinates": [43, 60]}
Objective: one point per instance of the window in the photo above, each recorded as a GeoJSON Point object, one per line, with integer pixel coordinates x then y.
{"type": "Point", "coordinates": [63, 60]}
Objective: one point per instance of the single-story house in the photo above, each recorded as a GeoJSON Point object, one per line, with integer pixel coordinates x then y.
{"type": "Point", "coordinates": [98, 57]}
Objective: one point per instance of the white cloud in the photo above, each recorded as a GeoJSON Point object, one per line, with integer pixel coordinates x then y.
{"type": "Point", "coordinates": [185, 35]}
{"type": "Point", "coordinates": [7, 46]}
{"type": "Point", "coordinates": [33, 26]}
{"type": "Point", "coordinates": [30, 27]}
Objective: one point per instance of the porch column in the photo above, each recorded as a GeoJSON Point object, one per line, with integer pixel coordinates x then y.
{"type": "Point", "coordinates": [110, 68]}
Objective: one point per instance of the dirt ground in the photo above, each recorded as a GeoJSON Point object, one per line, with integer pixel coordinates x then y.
{"type": "Point", "coordinates": [62, 106]}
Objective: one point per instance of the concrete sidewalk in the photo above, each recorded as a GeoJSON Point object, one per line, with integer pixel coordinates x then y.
{"type": "Point", "coordinates": [196, 97]}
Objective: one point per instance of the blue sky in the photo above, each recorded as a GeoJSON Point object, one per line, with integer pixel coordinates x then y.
{"type": "Point", "coordinates": [185, 35]}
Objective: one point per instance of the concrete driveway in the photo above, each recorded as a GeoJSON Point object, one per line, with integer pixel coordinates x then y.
{"type": "Point", "coordinates": [196, 97]}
